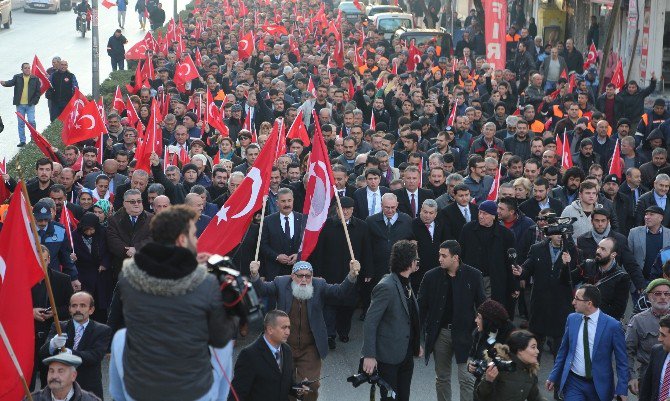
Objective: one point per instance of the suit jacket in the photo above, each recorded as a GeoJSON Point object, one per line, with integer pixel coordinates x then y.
{"type": "Point", "coordinates": [280, 290]}
{"type": "Point", "coordinates": [121, 234]}
{"type": "Point", "coordinates": [404, 204]}
{"type": "Point", "coordinates": [258, 377]}
{"type": "Point", "coordinates": [92, 348]}
{"type": "Point", "coordinates": [531, 207]}
{"type": "Point", "coordinates": [637, 242]}
{"type": "Point", "coordinates": [608, 340]}
{"type": "Point", "coordinates": [382, 240]}
{"type": "Point", "coordinates": [386, 330]}
{"type": "Point", "coordinates": [428, 247]}
{"type": "Point", "coordinates": [651, 378]}
{"type": "Point", "coordinates": [274, 242]}
{"type": "Point", "coordinates": [454, 219]}
{"type": "Point", "coordinates": [644, 202]}
{"type": "Point", "coordinates": [89, 180]}
{"type": "Point", "coordinates": [62, 290]}
{"type": "Point", "coordinates": [361, 207]}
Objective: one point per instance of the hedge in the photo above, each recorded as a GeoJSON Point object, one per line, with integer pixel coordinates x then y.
{"type": "Point", "coordinates": [30, 153]}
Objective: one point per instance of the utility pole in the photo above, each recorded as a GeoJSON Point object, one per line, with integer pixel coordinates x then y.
{"type": "Point", "coordinates": [95, 51]}
{"type": "Point", "coordinates": [608, 43]}
{"type": "Point", "coordinates": [175, 13]}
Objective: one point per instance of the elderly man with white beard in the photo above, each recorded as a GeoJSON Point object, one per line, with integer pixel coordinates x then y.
{"type": "Point", "coordinates": [303, 296]}
{"type": "Point", "coordinates": [642, 330]}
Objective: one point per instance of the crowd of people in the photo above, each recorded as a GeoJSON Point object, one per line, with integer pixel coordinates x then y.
{"type": "Point", "coordinates": [474, 198]}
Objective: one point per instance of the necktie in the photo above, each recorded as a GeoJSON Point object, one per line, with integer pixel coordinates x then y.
{"type": "Point", "coordinates": [278, 358]}
{"type": "Point", "coordinates": [587, 351]}
{"type": "Point", "coordinates": [389, 175]}
{"type": "Point", "coordinates": [287, 227]}
{"type": "Point", "coordinates": [133, 220]}
{"type": "Point", "coordinates": [341, 193]}
{"type": "Point", "coordinates": [41, 233]}
{"type": "Point", "coordinates": [466, 214]}
{"type": "Point", "coordinates": [665, 384]}
{"type": "Point", "coordinates": [77, 336]}
{"type": "Point", "coordinates": [412, 204]}
{"type": "Point", "coordinates": [428, 228]}
{"type": "Point", "coordinates": [374, 203]}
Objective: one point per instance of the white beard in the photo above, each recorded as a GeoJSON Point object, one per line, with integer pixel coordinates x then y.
{"type": "Point", "coordinates": [302, 292]}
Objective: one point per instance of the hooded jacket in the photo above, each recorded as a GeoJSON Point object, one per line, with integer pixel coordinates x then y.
{"type": "Point", "coordinates": [583, 224]}
{"type": "Point", "coordinates": [173, 311]}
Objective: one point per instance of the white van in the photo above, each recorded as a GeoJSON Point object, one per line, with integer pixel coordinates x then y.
{"type": "Point", "coordinates": [5, 13]}
{"type": "Point", "coordinates": [388, 23]}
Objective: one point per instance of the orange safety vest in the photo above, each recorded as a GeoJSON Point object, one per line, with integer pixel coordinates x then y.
{"type": "Point", "coordinates": [510, 38]}
{"type": "Point", "coordinates": [536, 126]}
{"type": "Point", "coordinates": [556, 111]}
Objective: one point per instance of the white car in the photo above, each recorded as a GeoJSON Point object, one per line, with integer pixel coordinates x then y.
{"type": "Point", "coordinates": [375, 9]}
{"type": "Point", "coordinates": [388, 23]}
{"type": "Point", "coordinates": [6, 13]}
{"type": "Point", "coordinates": [52, 6]}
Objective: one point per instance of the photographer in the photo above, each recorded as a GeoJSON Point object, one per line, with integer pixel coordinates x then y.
{"type": "Point", "coordinates": [173, 312]}
{"type": "Point", "coordinates": [516, 380]}
{"type": "Point", "coordinates": [391, 332]}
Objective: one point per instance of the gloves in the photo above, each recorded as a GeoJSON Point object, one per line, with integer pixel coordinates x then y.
{"type": "Point", "coordinates": [58, 341]}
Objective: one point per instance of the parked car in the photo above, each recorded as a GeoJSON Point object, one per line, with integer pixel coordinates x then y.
{"type": "Point", "coordinates": [52, 6]}
{"type": "Point", "coordinates": [6, 13]}
{"type": "Point", "coordinates": [388, 23]}
{"type": "Point", "coordinates": [375, 9]}
{"type": "Point", "coordinates": [350, 11]}
{"type": "Point", "coordinates": [421, 35]}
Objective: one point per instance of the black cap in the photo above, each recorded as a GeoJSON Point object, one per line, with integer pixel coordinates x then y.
{"type": "Point", "coordinates": [612, 178]}
{"type": "Point", "coordinates": [654, 209]}
{"type": "Point", "coordinates": [622, 121]}
{"type": "Point", "coordinates": [346, 201]}
{"type": "Point", "coordinates": [659, 102]}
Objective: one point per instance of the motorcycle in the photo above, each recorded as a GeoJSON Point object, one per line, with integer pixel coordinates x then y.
{"type": "Point", "coordinates": [82, 22]}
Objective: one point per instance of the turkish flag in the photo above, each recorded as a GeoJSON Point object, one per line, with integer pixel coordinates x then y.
{"type": "Point", "coordinates": [352, 91]}
{"type": "Point", "coordinates": [108, 4]}
{"type": "Point", "coordinates": [139, 50]}
{"type": "Point", "coordinates": [246, 46]}
{"type": "Point", "coordinates": [493, 192]}
{"type": "Point", "coordinates": [279, 130]}
{"type": "Point", "coordinates": [373, 123]}
{"type": "Point", "coordinates": [87, 125]}
{"type": "Point", "coordinates": [228, 226]}
{"type": "Point", "coordinates": [133, 117]}
{"type": "Point", "coordinates": [452, 116]}
{"type": "Point", "coordinates": [71, 111]}
{"type": "Point", "coordinates": [559, 145]}
{"type": "Point", "coordinates": [20, 270]}
{"type": "Point", "coordinates": [186, 71]}
{"type": "Point", "coordinates": [39, 140]}
{"type": "Point", "coordinates": [294, 47]}
{"type": "Point", "coordinates": [275, 30]}
{"type": "Point", "coordinates": [616, 162]}
{"type": "Point", "coordinates": [38, 70]}
{"type": "Point", "coordinates": [214, 116]}
{"type": "Point", "coordinates": [243, 8]}
{"type": "Point", "coordinates": [153, 139]}
{"type": "Point", "coordinates": [319, 192]}
{"type": "Point", "coordinates": [414, 57]}
{"type": "Point", "coordinates": [198, 58]}
{"type": "Point", "coordinates": [591, 57]}
{"type": "Point", "coordinates": [618, 79]}
{"type": "Point", "coordinates": [310, 86]}
{"type": "Point", "coordinates": [101, 109]}
{"type": "Point", "coordinates": [4, 191]}
{"type": "Point", "coordinates": [566, 159]}
{"type": "Point", "coordinates": [572, 83]}
{"type": "Point", "coordinates": [298, 129]}
{"type": "Point", "coordinates": [132, 89]}
{"type": "Point", "coordinates": [118, 103]}
{"type": "Point", "coordinates": [68, 221]}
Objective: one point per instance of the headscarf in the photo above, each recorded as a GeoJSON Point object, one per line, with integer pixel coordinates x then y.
{"type": "Point", "coordinates": [104, 205]}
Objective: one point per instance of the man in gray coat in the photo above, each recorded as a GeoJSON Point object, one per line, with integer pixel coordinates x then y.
{"type": "Point", "coordinates": [303, 297]}
{"type": "Point", "coordinates": [391, 332]}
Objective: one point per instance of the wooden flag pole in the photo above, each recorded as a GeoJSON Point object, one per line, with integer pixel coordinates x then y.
{"type": "Point", "coordinates": [38, 247]}
{"type": "Point", "coordinates": [260, 230]}
{"type": "Point", "coordinates": [12, 355]}
{"type": "Point", "coordinates": [344, 223]}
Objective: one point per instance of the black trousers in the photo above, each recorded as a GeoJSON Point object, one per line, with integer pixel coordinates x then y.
{"type": "Point", "coordinates": [38, 367]}
{"type": "Point", "coordinates": [398, 376]}
{"type": "Point", "coordinates": [338, 319]}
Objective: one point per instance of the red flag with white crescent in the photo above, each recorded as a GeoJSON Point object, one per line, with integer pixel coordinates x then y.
{"type": "Point", "coordinates": [38, 70]}
{"type": "Point", "coordinates": [616, 163]}
{"type": "Point", "coordinates": [618, 79]}
{"type": "Point", "coordinates": [298, 129]}
{"type": "Point", "coordinates": [118, 103]}
{"type": "Point", "coordinates": [591, 57]}
{"type": "Point", "coordinates": [566, 159]}
{"type": "Point", "coordinates": [493, 192]}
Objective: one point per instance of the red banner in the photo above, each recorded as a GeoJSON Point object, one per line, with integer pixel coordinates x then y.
{"type": "Point", "coordinates": [495, 12]}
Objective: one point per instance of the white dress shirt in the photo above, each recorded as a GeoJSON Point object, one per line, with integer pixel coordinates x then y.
{"type": "Point", "coordinates": [291, 222]}
{"type": "Point", "coordinates": [465, 211]}
{"type": "Point", "coordinates": [578, 367]}
{"type": "Point", "coordinates": [377, 202]}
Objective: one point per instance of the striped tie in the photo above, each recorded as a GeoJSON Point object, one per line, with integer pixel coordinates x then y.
{"type": "Point", "coordinates": [665, 385]}
{"type": "Point", "coordinates": [77, 336]}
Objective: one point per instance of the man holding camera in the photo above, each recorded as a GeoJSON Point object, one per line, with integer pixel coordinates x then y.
{"type": "Point", "coordinates": [392, 331]}
{"type": "Point", "coordinates": [303, 297]}
{"type": "Point", "coordinates": [175, 318]}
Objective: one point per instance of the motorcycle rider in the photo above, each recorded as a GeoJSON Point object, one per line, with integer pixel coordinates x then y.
{"type": "Point", "coordinates": [83, 7]}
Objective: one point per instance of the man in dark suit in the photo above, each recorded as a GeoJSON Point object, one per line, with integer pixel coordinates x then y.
{"type": "Point", "coordinates": [540, 200]}
{"type": "Point", "coordinates": [429, 232]}
{"type": "Point", "coordinates": [384, 230]}
{"type": "Point", "coordinates": [367, 200]}
{"type": "Point", "coordinates": [331, 261]}
{"type": "Point", "coordinates": [656, 197]}
{"type": "Point", "coordinates": [448, 329]}
{"type": "Point", "coordinates": [460, 212]}
{"type": "Point", "coordinates": [391, 332]}
{"type": "Point", "coordinates": [341, 181]}
{"type": "Point", "coordinates": [86, 339]}
{"type": "Point", "coordinates": [58, 194]}
{"type": "Point", "coordinates": [652, 380]}
{"type": "Point", "coordinates": [411, 197]}
{"type": "Point", "coordinates": [583, 369]}
{"type": "Point", "coordinates": [140, 181]}
{"type": "Point", "coordinates": [281, 237]}
{"type": "Point", "coordinates": [62, 290]}
{"type": "Point", "coordinates": [264, 369]}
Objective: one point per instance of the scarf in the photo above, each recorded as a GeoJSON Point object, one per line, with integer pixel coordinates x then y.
{"type": "Point", "coordinates": [599, 237]}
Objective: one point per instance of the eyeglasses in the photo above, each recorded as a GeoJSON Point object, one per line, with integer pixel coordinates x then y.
{"type": "Point", "coordinates": [582, 300]}
{"type": "Point", "coordinates": [133, 202]}
{"type": "Point", "coordinates": [659, 293]}
{"type": "Point", "coordinates": [305, 275]}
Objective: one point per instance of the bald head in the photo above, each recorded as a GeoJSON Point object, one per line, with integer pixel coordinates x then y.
{"type": "Point", "coordinates": [195, 202]}
{"type": "Point", "coordinates": [161, 202]}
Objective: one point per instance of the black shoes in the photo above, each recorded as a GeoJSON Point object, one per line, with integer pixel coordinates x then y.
{"type": "Point", "coordinates": [21, 144]}
{"type": "Point", "coordinates": [344, 339]}
{"type": "Point", "coordinates": [331, 343]}
{"type": "Point", "coordinates": [362, 317]}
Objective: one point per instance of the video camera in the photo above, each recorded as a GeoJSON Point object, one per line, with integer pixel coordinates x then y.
{"type": "Point", "coordinates": [239, 296]}
{"type": "Point", "coordinates": [558, 225]}
{"type": "Point", "coordinates": [374, 379]}
{"type": "Point", "coordinates": [503, 365]}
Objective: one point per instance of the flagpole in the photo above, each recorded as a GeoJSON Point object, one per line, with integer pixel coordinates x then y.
{"type": "Point", "coordinates": [38, 247]}
{"type": "Point", "coordinates": [260, 230]}
{"type": "Point", "coordinates": [344, 223]}
{"type": "Point", "coordinates": [12, 355]}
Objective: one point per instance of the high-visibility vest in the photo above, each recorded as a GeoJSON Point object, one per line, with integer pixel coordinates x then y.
{"type": "Point", "coordinates": [510, 38]}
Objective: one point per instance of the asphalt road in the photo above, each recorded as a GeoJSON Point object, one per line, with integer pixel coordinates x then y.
{"type": "Point", "coordinates": [49, 35]}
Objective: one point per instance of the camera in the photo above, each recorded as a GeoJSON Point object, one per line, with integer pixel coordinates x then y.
{"type": "Point", "coordinates": [503, 365]}
{"type": "Point", "coordinates": [558, 225]}
{"type": "Point", "coordinates": [374, 379]}
{"type": "Point", "coordinates": [239, 297]}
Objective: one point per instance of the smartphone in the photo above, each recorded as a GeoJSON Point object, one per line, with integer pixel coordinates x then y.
{"type": "Point", "coordinates": [47, 310]}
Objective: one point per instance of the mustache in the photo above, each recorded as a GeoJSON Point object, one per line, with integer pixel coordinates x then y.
{"type": "Point", "coordinates": [55, 381]}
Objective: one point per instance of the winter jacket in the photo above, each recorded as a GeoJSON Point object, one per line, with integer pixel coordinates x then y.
{"type": "Point", "coordinates": [33, 89]}
{"type": "Point", "coordinates": [583, 223]}
{"type": "Point", "coordinates": [63, 85]}
{"type": "Point", "coordinates": [115, 48]}
{"type": "Point", "coordinates": [169, 358]}
{"type": "Point", "coordinates": [521, 384]}
{"type": "Point", "coordinates": [633, 105]}
{"type": "Point", "coordinates": [79, 394]}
